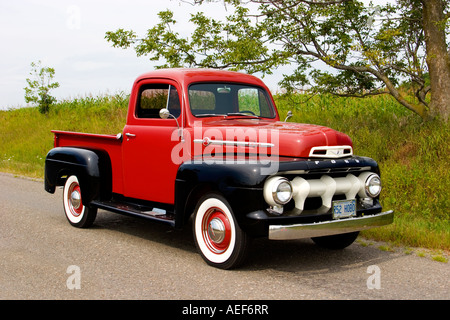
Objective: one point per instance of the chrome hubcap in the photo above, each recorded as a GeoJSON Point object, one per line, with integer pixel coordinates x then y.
{"type": "Point", "coordinates": [75, 199]}
{"type": "Point", "coordinates": [216, 230]}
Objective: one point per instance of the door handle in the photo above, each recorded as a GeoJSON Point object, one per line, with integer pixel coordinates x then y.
{"type": "Point", "coordinates": [130, 135]}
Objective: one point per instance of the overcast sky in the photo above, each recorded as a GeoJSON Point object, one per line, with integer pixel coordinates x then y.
{"type": "Point", "coordinates": [69, 36]}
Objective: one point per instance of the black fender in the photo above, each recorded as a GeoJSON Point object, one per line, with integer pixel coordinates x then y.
{"type": "Point", "coordinates": [92, 167]}
{"type": "Point", "coordinates": [241, 184]}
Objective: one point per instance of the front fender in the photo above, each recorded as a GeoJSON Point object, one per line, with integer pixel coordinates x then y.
{"type": "Point", "coordinates": [240, 184]}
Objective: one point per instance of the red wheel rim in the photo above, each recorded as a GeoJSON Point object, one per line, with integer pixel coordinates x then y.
{"type": "Point", "coordinates": [216, 230]}
{"type": "Point", "coordinates": [74, 199]}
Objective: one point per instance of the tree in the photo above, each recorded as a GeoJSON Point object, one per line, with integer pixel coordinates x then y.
{"type": "Point", "coordinates": [341, 47]}
{"type": "Point", "coordinates": [39, 86]}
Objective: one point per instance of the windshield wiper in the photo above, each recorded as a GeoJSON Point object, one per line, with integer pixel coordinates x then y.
{"type": "Point", "coordinates": [231, 114]}
{"type": "Point", "coordinates": [243, 114]}
{"type": "Point", "coordinates": [200, 115]}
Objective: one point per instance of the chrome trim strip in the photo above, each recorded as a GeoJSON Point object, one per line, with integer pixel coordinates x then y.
{"type": "Point", "coordinates": [207, 141]}
{"type": "Point", "coordinates": [326, 170]}
{"type": "Point", "coordinates": [327, 228]}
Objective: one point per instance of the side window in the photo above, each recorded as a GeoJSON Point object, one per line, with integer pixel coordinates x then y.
{"type": "Point", "coordinates": [154, 97]}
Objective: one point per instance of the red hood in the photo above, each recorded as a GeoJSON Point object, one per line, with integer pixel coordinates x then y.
{"type": "Point", "coordinates": [288, 139]}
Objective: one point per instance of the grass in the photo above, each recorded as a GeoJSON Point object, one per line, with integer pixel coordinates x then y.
{"type": "Point", "coordinates": [439, 258]}
{"type": "Point", "coordinates": [413, 156]}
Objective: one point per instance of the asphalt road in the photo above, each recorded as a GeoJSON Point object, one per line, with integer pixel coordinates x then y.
{"type": "Point", "coordinates": [43, 257]}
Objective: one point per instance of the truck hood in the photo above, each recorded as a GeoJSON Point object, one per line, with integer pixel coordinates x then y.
{"type": "Point", "coordinates": [282, 138]}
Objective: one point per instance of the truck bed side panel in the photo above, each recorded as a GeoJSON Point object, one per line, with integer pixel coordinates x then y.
{"type": "Point", "coordinates": [108, 143]}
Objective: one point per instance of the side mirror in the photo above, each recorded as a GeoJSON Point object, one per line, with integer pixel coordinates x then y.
{"type": "Point", "coordinates": [289, 114]}
{"type": "Point", "coordinates": [164, 113]}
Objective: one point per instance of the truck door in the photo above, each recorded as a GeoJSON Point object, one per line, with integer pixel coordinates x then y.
{"type": "Point", "coordinates": [149, 172]}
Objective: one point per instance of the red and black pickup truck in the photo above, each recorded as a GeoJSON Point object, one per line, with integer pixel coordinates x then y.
{"type": "Point", "coordinates": [210, 145]}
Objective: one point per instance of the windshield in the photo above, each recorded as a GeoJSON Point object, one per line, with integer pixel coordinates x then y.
{"type": "Point", "coordinates": [215, 99]}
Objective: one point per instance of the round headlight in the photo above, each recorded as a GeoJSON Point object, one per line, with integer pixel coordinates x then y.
{"type": "Point", "coordinates": [373, 185]}
{"type": "Point", "coordinates": [282, 191]}
{"type": "Point", "coordinates": [277, 191]}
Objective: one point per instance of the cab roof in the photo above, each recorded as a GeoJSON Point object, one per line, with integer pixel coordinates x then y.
{"type": "Point", "coordinates": [192, 75]}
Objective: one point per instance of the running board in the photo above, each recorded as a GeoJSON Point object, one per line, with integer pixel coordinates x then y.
{"type": "Point", "coordinates": [129, 209]}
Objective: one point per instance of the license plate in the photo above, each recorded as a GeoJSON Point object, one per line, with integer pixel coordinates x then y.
{"type": "Point", "coordinates": [344, 209]}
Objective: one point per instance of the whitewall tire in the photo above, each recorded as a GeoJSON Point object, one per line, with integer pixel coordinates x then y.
{"type": "Point", "coordinates": [218, 237]}
{"type": "Point", "coordinates": [77, 213]}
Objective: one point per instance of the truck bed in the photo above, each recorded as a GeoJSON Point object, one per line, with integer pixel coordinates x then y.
{"type": "Point", "coordinates": [112, 144]}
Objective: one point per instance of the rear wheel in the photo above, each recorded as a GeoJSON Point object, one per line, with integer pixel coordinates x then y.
{"type": "Point", "coordinates": [77, 213]}
{"type": "Point", "coordinates": [218, 237]}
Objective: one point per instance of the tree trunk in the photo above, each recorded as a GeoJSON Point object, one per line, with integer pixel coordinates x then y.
{"type": "Point", "coordinates": [438, 58]}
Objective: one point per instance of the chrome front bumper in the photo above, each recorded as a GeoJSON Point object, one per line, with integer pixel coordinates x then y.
{"type": "Point", "coordinates": [327, 228]}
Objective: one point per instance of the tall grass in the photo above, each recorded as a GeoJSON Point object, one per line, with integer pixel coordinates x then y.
{"type": "Point", "coordinates": [413, 156]}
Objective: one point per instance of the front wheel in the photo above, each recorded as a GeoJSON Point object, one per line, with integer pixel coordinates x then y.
{"type": "Point", "coordinates": [77, 213]}
{"type": "Point", "coordinates": [218, 237]}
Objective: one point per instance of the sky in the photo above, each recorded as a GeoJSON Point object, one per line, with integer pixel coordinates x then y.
{"type": "Point", "coordinates": [69, 36]}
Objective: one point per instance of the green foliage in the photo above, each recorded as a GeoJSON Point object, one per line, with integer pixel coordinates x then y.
{"type": "Point", "coordinates": [39, 86]}
{"type": "Point", "coordinates": [219, 44]}
{"type": "Point", "coordinates": [341, 47]}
